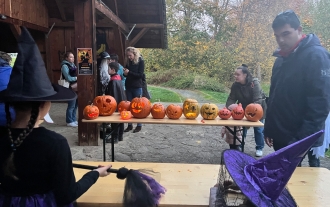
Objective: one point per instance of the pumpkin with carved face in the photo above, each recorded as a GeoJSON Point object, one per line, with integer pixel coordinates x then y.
{"type": "Point", "coordinates": [124, 106]}
{"type": "Point", "coordinates": [106, 104]}
{"type": "Point", "coordinates": [173, 111]}
{"type": "Point", "coordinates": [224, 113]}
{"type": "Point", "coordinates": [158, 111]}
{"type": "Point", "coordinates": [91, 112]}
{"type": "Point", "coordinates": [140, 107]}
{"type": "Point", "coordinates": [238, 112]}
{"type": "Point", "coordinates": [125, 115]}
{"type": "Point", "coordinates": [190, 109]}
{"type": "Point", "coordinates": [254, 112]}
{"type": "Point", "coordinates": [209, 111]}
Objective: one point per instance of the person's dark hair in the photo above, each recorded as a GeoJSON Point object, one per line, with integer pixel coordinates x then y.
{"type": "Point", "coordinates": [5, 56]}
{"type": "Point", "coordinates": [66, 55]}
{"type": "Point", "coordinates": [114, 57]}
{"type": "Point", "coordinates": [9, 166]}
{"type": "Point", "coordinates": [286, 17]}
{"type": "Point", "coordinates": [245, 70]}
{"type": "Point", "coordinates": [114, 65]}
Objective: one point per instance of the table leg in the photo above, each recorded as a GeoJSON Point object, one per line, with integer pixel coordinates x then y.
{"type": "Point", "coordinates": [103, 137]}
{"type": "Point", "coordinates": [235, 137]}
{"type": "Point", "coordinates": [112, 143]}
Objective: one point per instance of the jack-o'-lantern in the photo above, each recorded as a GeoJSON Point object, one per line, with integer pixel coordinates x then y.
{"type": "Point", "coordinates": [140, 107]}
{"type": "Point", "coordinates": [173, 111]}
{"type": "Point", "coordinates": [209, 111]}
{"type": "Point", "coordinates": [158, 111]}
{"type": "Point", "coordinates": [224, 113]}
{"type": "Point", "coordinates": [238, 112]}
{"type": "Point", "coordinates": [91, 112]}
{"type": "Point", "coordinates": [125, 115]}
{"type": "Point", "coordinates": [124, 106]}
{"type": "Point", "coordinates": [190, 109]}
{"type": "Point", "coordinates": [106, 104]}
{"type": "Point", "coordinates": [254, 112]}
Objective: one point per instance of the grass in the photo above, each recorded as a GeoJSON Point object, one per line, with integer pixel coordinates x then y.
{"type": "Point", "coordinates": [265, 87]}
{"type": "Point", "coordinates": [217, 97]}
{"type": "Point", "coordinates": [163, 95]}
{"type": "Point", "coordinates": [327, 153]}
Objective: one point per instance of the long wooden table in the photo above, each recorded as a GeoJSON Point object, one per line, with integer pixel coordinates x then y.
{"type": "Point", "coordinates": [189, 185]}
{"type": "Point", "coordinates": [115, 118]}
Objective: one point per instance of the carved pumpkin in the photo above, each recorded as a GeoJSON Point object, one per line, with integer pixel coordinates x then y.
{"type": "Point", "coordinates": [209, 111]}
{"type": "Point", "coordinates": [91, 112]}
{"type": "Point", "coordinates": [158, 111]}
{"type": "Point", "coordinates": [254, 112]}
{"type": "Point", "coordinates": [125, 115]}
{"type": "Point", "coordinates": [140, 107]}
{"type": "Point", "coordinates": [190, 109]}
{"type": "Point", "coordinates": [238, 112]}
{"type": "Point", "coordinates": [173, 111]}
{"type": "Point", "coordinates": [106, 104]}
{"type": "Point", "coordinates": [124, 106]}
{"type": "Point", "coordinates": [224, 113]}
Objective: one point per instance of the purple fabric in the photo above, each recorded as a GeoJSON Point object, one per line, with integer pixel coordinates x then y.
{"type": "Point", "coordinates": [155, 187]}
{"type": "Point", "coordinates": [263, 181]}
{"type": "Point", "coordinates": [38, 200]}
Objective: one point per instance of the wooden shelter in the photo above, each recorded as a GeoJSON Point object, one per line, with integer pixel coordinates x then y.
{"type": "Point", "coordinates": [65, 25]}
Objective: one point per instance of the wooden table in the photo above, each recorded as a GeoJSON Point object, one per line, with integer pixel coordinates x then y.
{"type": "Point", "coordinates": [115, 118]}
{"type": "Point", "coordinates": [189, 185]}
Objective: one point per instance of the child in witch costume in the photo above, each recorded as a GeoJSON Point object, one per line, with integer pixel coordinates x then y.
{"type": "Point", "coordinates": [36, 164]}
{"type": "Point", "coordinates": [116, 90]}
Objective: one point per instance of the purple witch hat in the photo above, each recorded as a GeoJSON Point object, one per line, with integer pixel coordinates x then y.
{"type": "Point", "coordinates": [263, 181]}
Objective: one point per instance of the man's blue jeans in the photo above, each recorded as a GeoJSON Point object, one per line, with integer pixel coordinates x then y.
{"type": "Point", "coordinates": [258, 136]}
{"type": "Point", "coordinates": [133, 93]}
{"type": "Point", "coordinates": [71, 111]}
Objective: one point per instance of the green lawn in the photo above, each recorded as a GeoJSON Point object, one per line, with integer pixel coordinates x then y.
{"type": "Point", "coordinates": [217, 97]}
{"type": "Point", "coordinates": [163, 95]}
{"type": "Point", "coordinates": [327, 153]}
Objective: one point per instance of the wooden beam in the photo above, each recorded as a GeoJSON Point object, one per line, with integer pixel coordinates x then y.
{"type": "Point", "coordinates": [16, 30]}
{"type": "Point", "coordinates": [61, 9]}
{"type": "Point", "coordinates": [151, 26]}
{"type": "Point", "coordinates": [85, 37]}
{"type": "Point", "coordinates": [29, 25]}
{"type": "Point", "coordinates": [60, 23]}
{"type": "Point", "coordinates": [138, 37]}
{"type": "Point", "coordinates": [104, 10]}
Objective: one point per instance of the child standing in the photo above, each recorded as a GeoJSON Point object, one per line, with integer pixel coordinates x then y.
{"type": "Point", "coordinates": [116, 90]}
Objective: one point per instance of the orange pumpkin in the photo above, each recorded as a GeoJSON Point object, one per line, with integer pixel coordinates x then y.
{"type": "Point", "coordinates": [124, 106]}
{"type": "Point", "coordinates": [224, 113]}
{"type": "Point", "coordinates": [173, 111]}
{"type": "Point", "coordinates": [91, 112]}
{"type": "Point", "coordinates": [238, 112]}
{"type": "Point", "coordinates": [125, 115]}
{"type": "Point", "coordinates": [254, 112]}
{"type": "Point", "coordinates": [158, 111]}
{"type": "Point", "coordinates": [140, 107]}
{"type": "Point", "coordinates": [209, 111]}
{"type": "Point", "coordinates": [190, 109]}
{"type": "Point", "coordinates": [106, 104]}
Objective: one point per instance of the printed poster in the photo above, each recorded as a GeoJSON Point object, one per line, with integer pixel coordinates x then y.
{"type": "Point", "coordinates": [85, 61]}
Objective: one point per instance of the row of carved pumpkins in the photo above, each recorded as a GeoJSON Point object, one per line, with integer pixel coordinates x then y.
{"type": "Point", "coordinates": [141, 108]}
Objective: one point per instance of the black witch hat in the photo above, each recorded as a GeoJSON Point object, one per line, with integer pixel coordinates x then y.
{"type": "Point", "coordinates": [29, 80]}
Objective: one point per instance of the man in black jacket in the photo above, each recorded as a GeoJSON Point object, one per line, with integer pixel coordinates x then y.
{"type": "Point", "coordinates": [299, 100]}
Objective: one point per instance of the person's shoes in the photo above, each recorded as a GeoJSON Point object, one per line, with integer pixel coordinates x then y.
{"type": "Point", "coordinates": [259, 153]}
{"type": "Point", "coordinates": [129, 128]}
{"type": "Point", "coordinates": [72, 124]}
{"type": "Point", "coordinates": [120, 138]}
{"type": "Point", "coordinates": [109, 140]}
{"type": "Point", "coordinates": [137, 129]}
{"type": "Point", "coordinates": [76, 122]}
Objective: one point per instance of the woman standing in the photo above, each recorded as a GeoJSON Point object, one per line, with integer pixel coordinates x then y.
{"type": "Point", "coordinates": [246, 90]}
{"type": "Point", "coordinates": [36, 164]}
{"type": "Point", "coordinates": [134, 71]}
{"type": "Point", "coordinates": [69, 73]}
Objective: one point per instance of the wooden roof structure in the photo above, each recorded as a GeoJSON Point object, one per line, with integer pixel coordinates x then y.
{"type": "Point", "coordinates": [143, 20]}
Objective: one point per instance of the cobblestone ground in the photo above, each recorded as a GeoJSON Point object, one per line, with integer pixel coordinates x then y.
{"type": "Point", "coordinates": [157, 143]}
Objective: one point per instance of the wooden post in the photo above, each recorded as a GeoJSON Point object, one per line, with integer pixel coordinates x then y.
{"type": "Point", "coordinates": [85, 37]}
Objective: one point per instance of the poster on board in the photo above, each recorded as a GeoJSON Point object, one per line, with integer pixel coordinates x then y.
{"type": "Point", "coordinates": [85, 61]}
